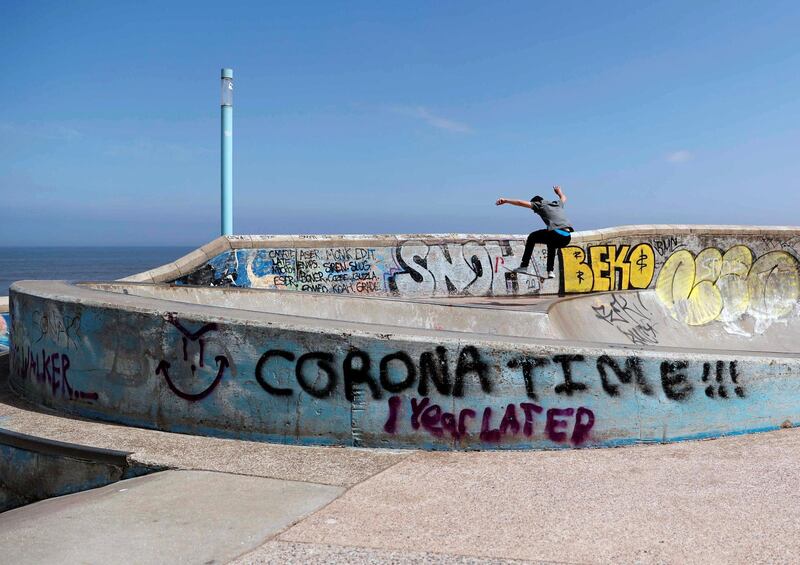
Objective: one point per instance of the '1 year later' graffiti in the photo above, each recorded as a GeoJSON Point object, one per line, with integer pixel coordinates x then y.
{"type": "Point", "coordinates": [438, 423]}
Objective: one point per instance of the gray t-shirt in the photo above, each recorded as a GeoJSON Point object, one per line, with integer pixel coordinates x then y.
{"type": "Point", "coordinates": [552, 213]}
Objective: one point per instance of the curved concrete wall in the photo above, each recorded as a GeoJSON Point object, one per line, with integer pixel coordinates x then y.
{"type": "Point", "coordinates": [203, 361]}
{"type": "Point", "coordinates": [209, 370]}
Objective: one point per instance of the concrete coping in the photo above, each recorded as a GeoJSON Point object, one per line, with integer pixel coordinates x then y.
{"type": "Point", "coordinates": [201, 256]}
{"type": "Point", "coordinates": [63, 449]}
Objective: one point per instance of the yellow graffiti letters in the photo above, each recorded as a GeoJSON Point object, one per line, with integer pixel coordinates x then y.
{"type": "Point", "coordinates": [716, 286]}
{"type": "Point", "coordinates": [608, 267]}
{"type": "Point", "coordinates": [577, 274]}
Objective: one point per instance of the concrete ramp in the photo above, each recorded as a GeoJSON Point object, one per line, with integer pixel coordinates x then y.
{"type": "Point", "coordinates": [641, 318]}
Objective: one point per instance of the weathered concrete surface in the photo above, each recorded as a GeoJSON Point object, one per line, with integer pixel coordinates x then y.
{"type": "Point", "coordinates": [255, 375]}
{"type": "Point", "coordinates": [33, 468]}
{"type": "Point", "coordinates": [577, 319]}
{"type": "Point", "coordinates": [731, 500]}
{"type": "Point", "coordinates": [169, 517]}
{"type": "Point", "coordinates": [510, 316]}
{"type": "Point", "coordinates": [332, 466]}
{"type": "Point", "coordinates": [620, 258]}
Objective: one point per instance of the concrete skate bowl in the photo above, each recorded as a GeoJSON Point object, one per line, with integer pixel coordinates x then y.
{"type": "Point", "coordinates": [649, 334]}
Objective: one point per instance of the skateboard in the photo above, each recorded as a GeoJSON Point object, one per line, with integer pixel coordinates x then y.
{"type": "Point", "coordinates": [537, 275]}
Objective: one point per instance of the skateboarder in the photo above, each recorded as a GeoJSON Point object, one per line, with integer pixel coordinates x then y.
{"type": "Point", "coordinates": [558, 233]}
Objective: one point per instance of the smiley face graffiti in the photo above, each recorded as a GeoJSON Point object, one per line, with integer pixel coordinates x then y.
{"type": "Point", "coordinates": [195, 360]}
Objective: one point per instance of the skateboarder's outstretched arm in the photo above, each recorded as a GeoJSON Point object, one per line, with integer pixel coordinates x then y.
{"type": "Point", "coordinates": [560, 193]}
{"type": "Point", "coordinates": [522, 203]}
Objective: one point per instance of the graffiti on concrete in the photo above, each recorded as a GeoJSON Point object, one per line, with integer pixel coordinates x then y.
{"type": "Point", "coordinates": [629, 315]}
{"type": "Point", "coordinates": [194, 364]}
{"type": "Point", "coordinates": [467, 371]}
{"type": "Point", "coordinates": [713, 285]}
{"type": "Point", "coordinates": [472, 268]}
{"type": "Point", "coordinates": [48, 369]}
{"type": "Point", "coordinates": [294, 385]}
{"type": "Point", "coordinates": [5, 323]}
{"type": "Point", "coordinates": [414, 268]}
{"type": "Point", "coordinates": [316, 374]}
{"type": "Point", "coordinates": [716, 386]}
{"type": "Point", "coordinates": [345, 270]}
{"type": "Point", "coordinates": [665, 246]}
{"type": "Point", "coordinates": [65, 331]}
{"type": "Point", "coordinates": [483, 268]}
{"type": "Point", "coordinates": [209, 275]}
{"type": "Point", "coordinates": [433, 419]}
{"type": "Point", "coordinates": [300, 383]}
{"type": "Point", "coordinates": [607, 267]}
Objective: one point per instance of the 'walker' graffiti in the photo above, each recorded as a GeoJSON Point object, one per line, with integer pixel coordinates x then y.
{"type": "Point", "coordinates": [49, 369]}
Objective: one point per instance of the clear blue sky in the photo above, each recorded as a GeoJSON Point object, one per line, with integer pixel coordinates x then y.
{"type": "Point", "coordinates": [392, 117]}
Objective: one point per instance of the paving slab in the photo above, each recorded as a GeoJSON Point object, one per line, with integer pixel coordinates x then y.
{"type": "Point", "coordinates": [730, 500]}
{"type": "Point", "coordinates": [315, 554]}
{"type": "Point", "coordinates": [168, 517]}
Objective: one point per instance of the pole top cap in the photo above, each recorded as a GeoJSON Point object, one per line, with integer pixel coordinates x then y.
{"type": "Point", "coordinates": [227, 73]}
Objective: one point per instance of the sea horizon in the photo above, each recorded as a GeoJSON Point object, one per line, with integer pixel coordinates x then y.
{"type": "Point", "coordinates": [76, 263]}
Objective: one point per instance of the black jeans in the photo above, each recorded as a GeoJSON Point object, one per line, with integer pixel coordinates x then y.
{"type": "Point", "coordinates": [552, 239]}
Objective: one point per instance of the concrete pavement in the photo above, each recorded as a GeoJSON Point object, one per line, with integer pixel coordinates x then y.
{"type": "Point", "coordinates": [731, 500]}
{"type": "Point", "coordinates": [168, 517]}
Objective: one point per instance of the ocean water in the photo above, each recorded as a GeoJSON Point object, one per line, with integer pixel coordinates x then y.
{"type": "Point", "coordinates": [80, 263]}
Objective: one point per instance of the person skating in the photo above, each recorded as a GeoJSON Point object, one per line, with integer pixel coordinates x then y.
{"type": "Point", "coordinates": [557, 234]}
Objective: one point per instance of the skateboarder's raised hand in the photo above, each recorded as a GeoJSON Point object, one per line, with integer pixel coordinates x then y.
{"type": "Point", "coordinates": [523, 203]}
{"type": "Point", "coordinates": [560, 193]}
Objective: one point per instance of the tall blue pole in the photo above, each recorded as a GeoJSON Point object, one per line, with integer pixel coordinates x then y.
{"type": "Point", "coordinates": [226, 168]}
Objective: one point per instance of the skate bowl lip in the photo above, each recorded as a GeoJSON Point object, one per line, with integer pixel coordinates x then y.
{"type": "Point", "coordinates": [86, 293]}
{"type": "Point", "coordinates": [197, 258]}
{"type": "Point", "coordinates": [71, 450]}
